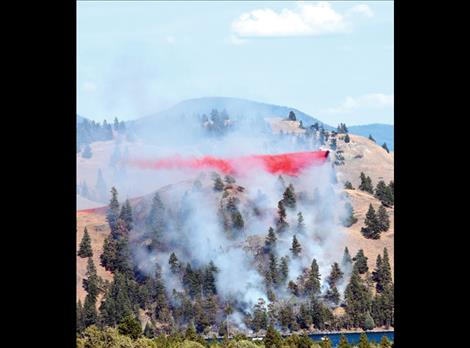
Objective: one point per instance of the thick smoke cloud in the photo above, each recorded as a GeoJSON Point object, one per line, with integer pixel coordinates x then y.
{"type": "Point", "coordinates": [199, 237]}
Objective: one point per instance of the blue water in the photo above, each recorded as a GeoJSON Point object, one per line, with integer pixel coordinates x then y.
{"type": "Point", "coordinates": [353, 337]}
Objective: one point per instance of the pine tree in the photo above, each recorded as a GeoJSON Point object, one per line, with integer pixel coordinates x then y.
{"type": "Point", "coordinates": [335, 275]}
{"type": "Point", "coordinates": [283, 270]}
{"type": "Point", "coordinates": [89, 314]}
{"type": "Point", "coordinates": [346, 262]}
{"type": "Point", "coordinates": [351, 219]}
{"type": "Point", "coordinates": [360, 262]}
{"type": "Point", "coordinates": [260, 316]}
{"type": "Point", "coordinates": [149, 330]}
{"type": "Point", "coordinates": [289, 199]}
{"type": "Point", "coordinates": [86, 153]}
{"type": "Point", "coordinates": [366, 183]}
{"type": "Point", "coordinates": [332, 295]}
{"type": "Point", "coordinates": [333, 144]}
{"type": "Point", "coordinates": [130, 326]}
{"type": "Point", "coordinates": [292, 116]}
{"type": "Point", "coordinates": [270, 241]}
{"type": "Point", "coordinates": [371, 138]}
{"type": "Point", "coordinates": [112, 214]}
{"type": "Point", "coordinates": [85, 249]}
{"type": "Point", "coordinates": [273, 270]}
{"type": "Point", "coordinates": [312, 285]}
{"type": "Point", "coordinates": [358, 299]}
{"type": "Point", "coordinates": [281, 223]}
{"type": "Point", "coordinates": [272, 339]}
{"type": "Point", "coordinates": [218, 183]}
{"type": "Point", "coordinates": [363, 341]}
{"type": "Point", "coordinates": [175, 266]}
{"type": "Point", "coordinates": [296, 248]}
{"type": "Point", "coordinates": [372, 228]}
{"type": "Point", "coordinates": [369, 323]}
{"type": "Point", "coordinates": [155, 220]}
{"type": "Point", "coordinates": [347, 139]}
{"type": "Point", "coordinates": [385, 343]}
{"type": "Point", "coordinates": [108, 257]}
{"type": "Point", "coordinates": [348, 185]}
{"type": "Point", "coordinates": [383, 219]}
{"type": "Point", "coordinates": [126, 215]}
{"type": "Point", "coordinates": [300, 223]}
{"type": "Point", "coordinates": [343, 342]}
{"type": "Point", "coordinates": [382, 274]}
{"type": "Point", "coordinates": [384, 193]}
{"type": "Point", "coordinates": [385, 147]}
{"type": "Point", "coordinates": [80, 325]}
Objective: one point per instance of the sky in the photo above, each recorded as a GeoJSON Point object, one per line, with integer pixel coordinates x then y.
{"type": "Point", "coordinates": [332, 60]}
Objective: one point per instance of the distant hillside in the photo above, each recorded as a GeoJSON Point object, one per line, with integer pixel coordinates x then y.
{"type": "Point", "coordinates": [80, 118]}
{"type": "Point", "coordinates": [237, 109]}
{"type": "Point", "coordinates": [382, 133]}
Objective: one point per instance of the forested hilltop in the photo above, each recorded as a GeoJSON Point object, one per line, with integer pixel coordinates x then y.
{"type": "Point", "coordinates": [215, 255]}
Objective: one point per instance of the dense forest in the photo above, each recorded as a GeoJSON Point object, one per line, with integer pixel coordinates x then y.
{"type": "Point", "coordinates": [367, 298]}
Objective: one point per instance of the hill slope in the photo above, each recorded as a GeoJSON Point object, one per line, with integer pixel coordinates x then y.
{"type": "Point", "coordinates": [382, 133]}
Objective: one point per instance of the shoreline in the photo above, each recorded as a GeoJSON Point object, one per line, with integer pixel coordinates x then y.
{"type": "Point", "coordinates": [313, 333]}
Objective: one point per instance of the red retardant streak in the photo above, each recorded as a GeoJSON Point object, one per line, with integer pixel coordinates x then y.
{"type": "Point", "coordinates": [287, 163]}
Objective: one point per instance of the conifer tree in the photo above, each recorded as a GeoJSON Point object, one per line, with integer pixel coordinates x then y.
{"type": "Point", "coordinates": [300, 223]}
{"type": "Point", "coordinates": [149, 330]}
{"type": "Point", "coordinates": [270, 241]}
{"type": "Point", "coordinates": [89, 314]}
{"type": "Point", "coordinates": [289, 199]}
{"type": "Point", "coordinates": [272, 339]}
{"type": "Point", "coordinates": [348, 185]}
{"type": "Point", "coordinates": [371, 138]}
{"type": "Point", "coordinates": [130, 326]}
{"type": "Point", "coordinates": [332, 295]}
{"type": "Point", "coordinates": [218, 183]}
{"type": "Point", "coordinates": [80, 325]}
{"type": "Point", "coordinates": [363, 341]}
{"type": "Point", "coordinates": [358, 299]}
{"type": "Point", "coordinates": [312, 285]}
{"type": "Point", "coordinates": [175, 266]}
{"type": "Point", "coordinates": [369, 323]}
{"type": "Point", "coordinates": [383, 219]}
{"type": "Point", "coordinates": [126, 215]}
{"type": "Point", "coordinates": [360, 262]}
{"type": "Point", "coordinates": [372, 228]}
{"type": "Point", "coordinates": [382, 274]}
{"type": "Point", "coordinates": [260, 316]}
{"type": "Point", "coordinates": [112, 214]}
{"type": "Point", "coordinates": [108, 257]}
{"type": "Point", "coordinates": [366, 184]}
{"type": "Point", "coordinates": [283, 269]}
{"type": "Point", "coordinates": [85, 249]}
{"type": "Point", "coordinates": [335, 275]}
{"type": "Point", "coordinates": [346, 262]}
{"type": "Point", "coordinates": [347, 139]}
{"type": "Point", "coordinates": [296, 248]}
{"type": "Point", "coordinates": [281, 223]}
{"type": "Point", "coordinates": [343, 342]}
{"type": "Point", "coordinates": [273, 269]}
{"type": "Point", "coordinates": [385, 343]}
{"type": "Point", "coordinates": [384, 193]}
{"type": "Point", "coordinates": [155, 221]}
{"type": "Point", "coordinates": [351, 219]}
{"type": "Point", "coordinates": [385, 147]}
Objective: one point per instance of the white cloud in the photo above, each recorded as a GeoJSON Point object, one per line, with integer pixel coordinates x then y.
{"type": "Point", "coordinates": [307, 19]}
{"type": "Point", "coordinates": [366, 101]}
{"type": "Point", "coordinates": [362, 9]}
{"type": "Point", "coordinates": [89, 87]}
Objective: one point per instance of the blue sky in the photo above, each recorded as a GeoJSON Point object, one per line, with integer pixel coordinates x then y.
{"type": "Point", "coordinates": [331, 60]}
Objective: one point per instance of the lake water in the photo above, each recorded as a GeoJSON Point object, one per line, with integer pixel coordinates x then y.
{"type": "Point", "coordinates": [354, 337]}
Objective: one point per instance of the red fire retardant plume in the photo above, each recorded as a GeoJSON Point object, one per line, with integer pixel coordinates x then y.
{"type": "Point", "coordinates": [287, 163]}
